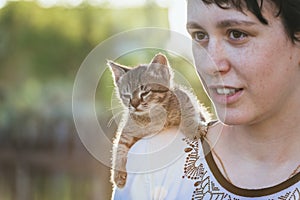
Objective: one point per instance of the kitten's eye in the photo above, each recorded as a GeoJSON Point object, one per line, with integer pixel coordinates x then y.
{"type": "Point", "coordinates": [142, 87]}
{"type": "Point", "coordinates": [145, 94]}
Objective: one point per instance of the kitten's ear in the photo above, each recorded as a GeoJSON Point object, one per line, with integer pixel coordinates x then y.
{"type": "Point", "coordinates": [117, 70]}
{"type": "Point", "coordinates": [159, 67]}
{"type": "Point", "coordinates": [160, 59]}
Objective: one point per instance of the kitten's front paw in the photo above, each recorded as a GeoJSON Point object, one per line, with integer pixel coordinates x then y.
{"type": "Point", "coordinates": [202, 130]}
{"type": "Point", "coordinates": [192, 137]}
{"type": "Point", "coordinates": [196, 135]}
{"type": "Point", "coordinates": [120, 178]}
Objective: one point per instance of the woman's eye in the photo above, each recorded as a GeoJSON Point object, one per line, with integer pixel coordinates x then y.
{"type": "Point", "coordinates": [200, 36]}
{"type": "Point", "coordinates": [237, 35]}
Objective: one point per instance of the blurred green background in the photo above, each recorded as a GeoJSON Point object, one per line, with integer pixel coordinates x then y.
{"type": "Point", "coordinates": [41, 49]}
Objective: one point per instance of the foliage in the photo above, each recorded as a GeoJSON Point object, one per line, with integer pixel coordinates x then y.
{"type": "Point", "coordinates": [41, 50]}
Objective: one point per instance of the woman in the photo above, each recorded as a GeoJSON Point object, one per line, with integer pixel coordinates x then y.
{"type": "Point", "coordinates": [252, 75]}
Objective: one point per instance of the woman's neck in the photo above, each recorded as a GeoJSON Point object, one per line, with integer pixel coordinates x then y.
{"type": "Point", "coordinates": [280, 128]}
{"type": "Point", "coordinates": [273, 145]}
{"type": "Point", "coordinates": [274, 139]}
{"type": "Point", "coordinates": [269, 151]}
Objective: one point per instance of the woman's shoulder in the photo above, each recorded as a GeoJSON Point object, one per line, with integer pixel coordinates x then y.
{"type": "Point", "coordinates": [214, 130]}
{"type": "Point", "coordinates": [156, 142]}
{"type": "Point", "coordinates": [157, 151]}
{"type": "Point", "coordinates": [156, 166]}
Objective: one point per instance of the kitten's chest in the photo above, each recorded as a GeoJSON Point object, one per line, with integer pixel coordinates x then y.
{"type": "Point", "coordinates": [141, 126]}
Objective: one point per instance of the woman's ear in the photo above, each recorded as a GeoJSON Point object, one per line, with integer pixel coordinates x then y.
{"type": "Point", "coordinates": [297, 42]}
{"type": "Point", "coordinates": [297, 36]}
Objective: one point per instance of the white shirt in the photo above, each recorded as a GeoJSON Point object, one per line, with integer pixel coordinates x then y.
{"type": "Point", "coordinates": [168, 166]}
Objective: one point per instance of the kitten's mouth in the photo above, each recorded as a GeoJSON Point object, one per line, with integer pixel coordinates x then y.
{"type": "Point", "coordinates": [138, 111]}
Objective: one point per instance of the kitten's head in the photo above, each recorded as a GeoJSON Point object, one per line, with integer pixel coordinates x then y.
{"type": "Point", "coordinates": [145, 86]}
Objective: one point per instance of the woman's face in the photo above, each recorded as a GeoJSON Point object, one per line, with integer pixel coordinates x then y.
{"type": "Point", "coordinates": [251, 71]}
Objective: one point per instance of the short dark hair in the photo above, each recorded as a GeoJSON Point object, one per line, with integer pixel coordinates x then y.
{"type": "Point", "coordinates": [288, 11]}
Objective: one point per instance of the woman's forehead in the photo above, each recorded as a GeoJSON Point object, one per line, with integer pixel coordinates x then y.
{"type": "Point", "coordinates": [200, 12]}
{"type": "Point", "coordinates": [197, 11]}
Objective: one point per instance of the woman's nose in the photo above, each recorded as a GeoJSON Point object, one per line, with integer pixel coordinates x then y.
{"type": "Point", "coordinates": [212, 59]}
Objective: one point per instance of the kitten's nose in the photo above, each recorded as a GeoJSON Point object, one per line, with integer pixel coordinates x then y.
{"type": "Point", "coordinates": [135, 102]}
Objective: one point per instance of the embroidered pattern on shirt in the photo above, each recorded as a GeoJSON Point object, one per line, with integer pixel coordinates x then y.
{"type": "Point", "coordinates": [205, 188]}
{"type": "Point", "coordinates": [194, 170]}
{"type": "Point", "coordinates": [291, 195]}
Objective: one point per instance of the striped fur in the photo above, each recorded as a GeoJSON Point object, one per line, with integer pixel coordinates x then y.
{"type": "Point", "coordinates": [152, 104]}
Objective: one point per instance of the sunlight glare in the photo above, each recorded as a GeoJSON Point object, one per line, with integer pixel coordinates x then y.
{"type": "Point", "coordinates": [2, 3]}
{"type": "Point", "coordinates": [47, 3]}
{"type": "Point", "coordinates": [177, 16]}
{"type": "Point", "coordinates": [164, 3]}
{"type": "Point", "coordinates": [72, 3]}
{"type": "Point", "coordinates": [126, 4]}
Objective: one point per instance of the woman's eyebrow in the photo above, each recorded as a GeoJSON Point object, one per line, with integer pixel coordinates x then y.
{"type": "Point", "coordinates": [193, 25]}
{"type": "Point", "coordinates": [222, 24]}
{"type": "Point", "coordinates": [230, 23]}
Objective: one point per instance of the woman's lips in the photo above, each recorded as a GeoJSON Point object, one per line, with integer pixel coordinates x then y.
{"type": "Point", "coordinates": [225, 95]}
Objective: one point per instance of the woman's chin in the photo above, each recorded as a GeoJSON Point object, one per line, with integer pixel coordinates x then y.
{"type": "Point", "coordinates": [230, 119]}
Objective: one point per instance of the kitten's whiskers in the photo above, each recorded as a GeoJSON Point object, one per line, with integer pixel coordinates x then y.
{"type": "Point", "coordinates": [114, 117]}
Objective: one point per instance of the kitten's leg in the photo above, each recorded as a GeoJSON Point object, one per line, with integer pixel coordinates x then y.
{"type": "Point", "coordinates": [120, 159]}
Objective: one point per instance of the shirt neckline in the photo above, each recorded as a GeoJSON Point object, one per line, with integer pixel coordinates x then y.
{"type": "Point", "coordinates": [242, 191]}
